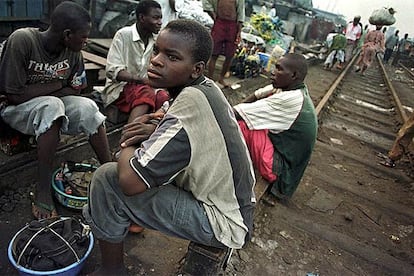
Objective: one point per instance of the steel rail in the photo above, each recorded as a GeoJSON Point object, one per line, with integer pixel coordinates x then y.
{"type": "Point", "coordinates": [333, 87]}
{"type": "Point", "coordinates": [400, 108]}
{"type": "Point", "coordinates": [406, 69]}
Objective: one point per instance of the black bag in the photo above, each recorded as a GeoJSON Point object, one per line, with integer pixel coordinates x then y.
{"type": "Point", "coordinates": [51, 244]}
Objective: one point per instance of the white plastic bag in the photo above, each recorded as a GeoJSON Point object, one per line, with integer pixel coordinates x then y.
{"type": "Point", "coordinates": [384, 17]}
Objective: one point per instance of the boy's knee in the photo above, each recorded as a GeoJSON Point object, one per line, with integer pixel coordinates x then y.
{"type": "Point", "coordinates": [49, 106]}
{"type": "Point", "coordinates": [87, 107]}
{"type": "Point", "coordinates": [103, 177]}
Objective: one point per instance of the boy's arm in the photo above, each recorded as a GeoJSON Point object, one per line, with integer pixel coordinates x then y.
{"type": "Point", "coordinates": [124, 75]}
{"type": "Point", "coordinates": [240, 19]}
{"type": "Point", "coordinates": [251, 98]}
{"type": "Point", "coordinates": [260, 94]}
{"type": "Point", "coordinates": [129, 181]}
{"type": "Point", "coordinates": [55, 88]}
{"type": "Point", "coordinates": [140, 129]}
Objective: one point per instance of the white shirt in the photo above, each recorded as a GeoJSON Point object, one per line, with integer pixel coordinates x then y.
{"type": "Point", "coordinates": [353, 32]}
{"type": "Point", "coordinates": [272, 12]}
{"type": "Point", "coordinates": [275, 109]}
{"type": "Point", "coordinates": [329, 39]}
{"type": "Point", "coordinates": [127, 52]}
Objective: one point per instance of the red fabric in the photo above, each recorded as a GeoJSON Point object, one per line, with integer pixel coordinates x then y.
{"type": "Point", "coordinates": [224, 34]}
{"type": "Point", "coordinates": [134, 95]}
{"type": "Point", "coordinates": [261, 150]}
{"type": "Point", "coordinates": [160, 98]}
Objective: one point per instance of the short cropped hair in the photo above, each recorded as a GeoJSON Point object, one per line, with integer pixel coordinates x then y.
{"type": "Point", "coordinates": [195, 33]}
{"type": "Point", "coordinates": [144, 7]}
{"type": "Point", "coordinates": [297, 62]}
{"type": "Point", "coordinates": [69, 15]}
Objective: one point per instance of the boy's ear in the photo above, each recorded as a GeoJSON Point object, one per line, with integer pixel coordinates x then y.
{"type": "Point", "coordinates": [66, 33]}
{"type": "Point", "coordinates": [198, 69]}
{"type": "Point", "coordinates": [140, 18]}
{"type": "Point", "coordinates": [294, 75]}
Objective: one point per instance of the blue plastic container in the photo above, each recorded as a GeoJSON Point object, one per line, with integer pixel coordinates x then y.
{"type": "Point", "coordinates": [70, 201]}
{"type": "Point", "coordinates": [70, 270]}
{"type": "Point", "coordinates": [264, 59]}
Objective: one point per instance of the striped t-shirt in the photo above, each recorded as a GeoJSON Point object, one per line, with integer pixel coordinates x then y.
{"type": "Point", "coordinates": [198, 146]}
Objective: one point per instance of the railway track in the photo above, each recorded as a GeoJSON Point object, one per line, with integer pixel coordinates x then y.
{"type": "Point", "coordinates": [406, 69]}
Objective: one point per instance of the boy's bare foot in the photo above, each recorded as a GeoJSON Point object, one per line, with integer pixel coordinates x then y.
{"type": "Point", "coordinates": [42, 210]}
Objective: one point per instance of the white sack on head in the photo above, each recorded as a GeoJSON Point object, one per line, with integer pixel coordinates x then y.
{"type": "Point", "coordinates": [384, 17]}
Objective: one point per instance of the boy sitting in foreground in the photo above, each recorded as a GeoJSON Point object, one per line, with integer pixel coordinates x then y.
{"type": "Point", "coordinates": [192, 178]}
{"type": "Point", "coordinates": [42, 75]}
{"type": "Point", "coordinates": [279, 125]}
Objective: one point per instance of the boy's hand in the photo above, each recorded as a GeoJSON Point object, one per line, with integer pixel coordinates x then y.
{"type": "Point", "coordinates": [135, 133]}
{"type": "Point", "coordinates": [148, 118]}
{"type": "Point", "coordinates": [140, 129]}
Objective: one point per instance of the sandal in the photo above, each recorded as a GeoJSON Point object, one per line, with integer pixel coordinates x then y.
{"type": "Point", "coordinates": [387, 162]}
{"type": "Point", "coordinates": [42, 210]}
{"type": "Point", "coordinates": [381, 155]}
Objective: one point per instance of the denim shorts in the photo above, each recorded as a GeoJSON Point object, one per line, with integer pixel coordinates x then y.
{"type": "Point", "coordinates": [36, 116]}
{"type": "Point", "coordinates": [168, 209]}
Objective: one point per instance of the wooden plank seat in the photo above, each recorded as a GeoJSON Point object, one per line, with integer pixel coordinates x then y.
{"type": "Point", "coordinates": [114, 116]}
{"type": "Point", "coordinates": [93, 65]}
{"type": "Point", "coordinates": [99, 45]}
{"type": "Point", "coordinates": [94, 58]}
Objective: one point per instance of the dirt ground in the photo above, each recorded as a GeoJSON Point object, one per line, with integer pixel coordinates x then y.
{"type": "Point", "coordinates": [277, 248]}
